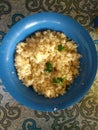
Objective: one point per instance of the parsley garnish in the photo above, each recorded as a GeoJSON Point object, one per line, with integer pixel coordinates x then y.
{"type": "Point", "coordinates": [57, 80]}
{"type": "Point", "coordinates": [49, 67]}
{"type": "Point", "coordinates": [34, 56]}
{"type": "Point", "coordinates": [60, 47]}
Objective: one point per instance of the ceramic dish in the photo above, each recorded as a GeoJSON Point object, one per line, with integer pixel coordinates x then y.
{"type": "Point", "coordinates": [58, 22]}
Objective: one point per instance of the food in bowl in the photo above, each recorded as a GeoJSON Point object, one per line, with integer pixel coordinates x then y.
{"type": "Point", "coordinates": [48, 61]}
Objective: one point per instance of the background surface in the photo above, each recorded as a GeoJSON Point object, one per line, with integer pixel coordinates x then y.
{"type": "Point", "coordinates": [81, 116]}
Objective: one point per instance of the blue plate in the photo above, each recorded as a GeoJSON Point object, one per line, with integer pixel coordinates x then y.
{"type": "Point", "coordinates": [73, 30]}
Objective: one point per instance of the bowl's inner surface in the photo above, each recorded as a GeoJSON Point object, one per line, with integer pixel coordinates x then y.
{"type": "Point", "coordinates": [73, 30]}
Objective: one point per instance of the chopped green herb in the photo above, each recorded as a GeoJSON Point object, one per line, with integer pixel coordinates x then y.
{"type": "Point", "coordinates": [34, 56]}
{"type": "Point", "coordinates": [60, 48]}
{"type": "Point", "coordinates": [49, 67]}
{"type": "Point", "coordinates": [57, 80]}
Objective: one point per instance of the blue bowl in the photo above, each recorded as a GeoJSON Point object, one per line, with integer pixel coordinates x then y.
{"type": "Point", "coordinates": [58, 22]}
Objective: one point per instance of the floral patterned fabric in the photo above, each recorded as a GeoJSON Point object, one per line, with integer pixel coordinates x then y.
{"type": "Point", "coordinates": [81, 116]}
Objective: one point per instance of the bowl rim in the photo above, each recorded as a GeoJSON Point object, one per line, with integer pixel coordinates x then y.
{"type": "Point", "coordinates": [33, 23]}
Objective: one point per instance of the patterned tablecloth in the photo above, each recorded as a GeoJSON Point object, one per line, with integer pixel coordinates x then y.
{"type": "Point", "coordinates": [81, 116]}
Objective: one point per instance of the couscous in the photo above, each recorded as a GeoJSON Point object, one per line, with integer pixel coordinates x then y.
{"type": "Point", "coordinates": [48, 61]}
